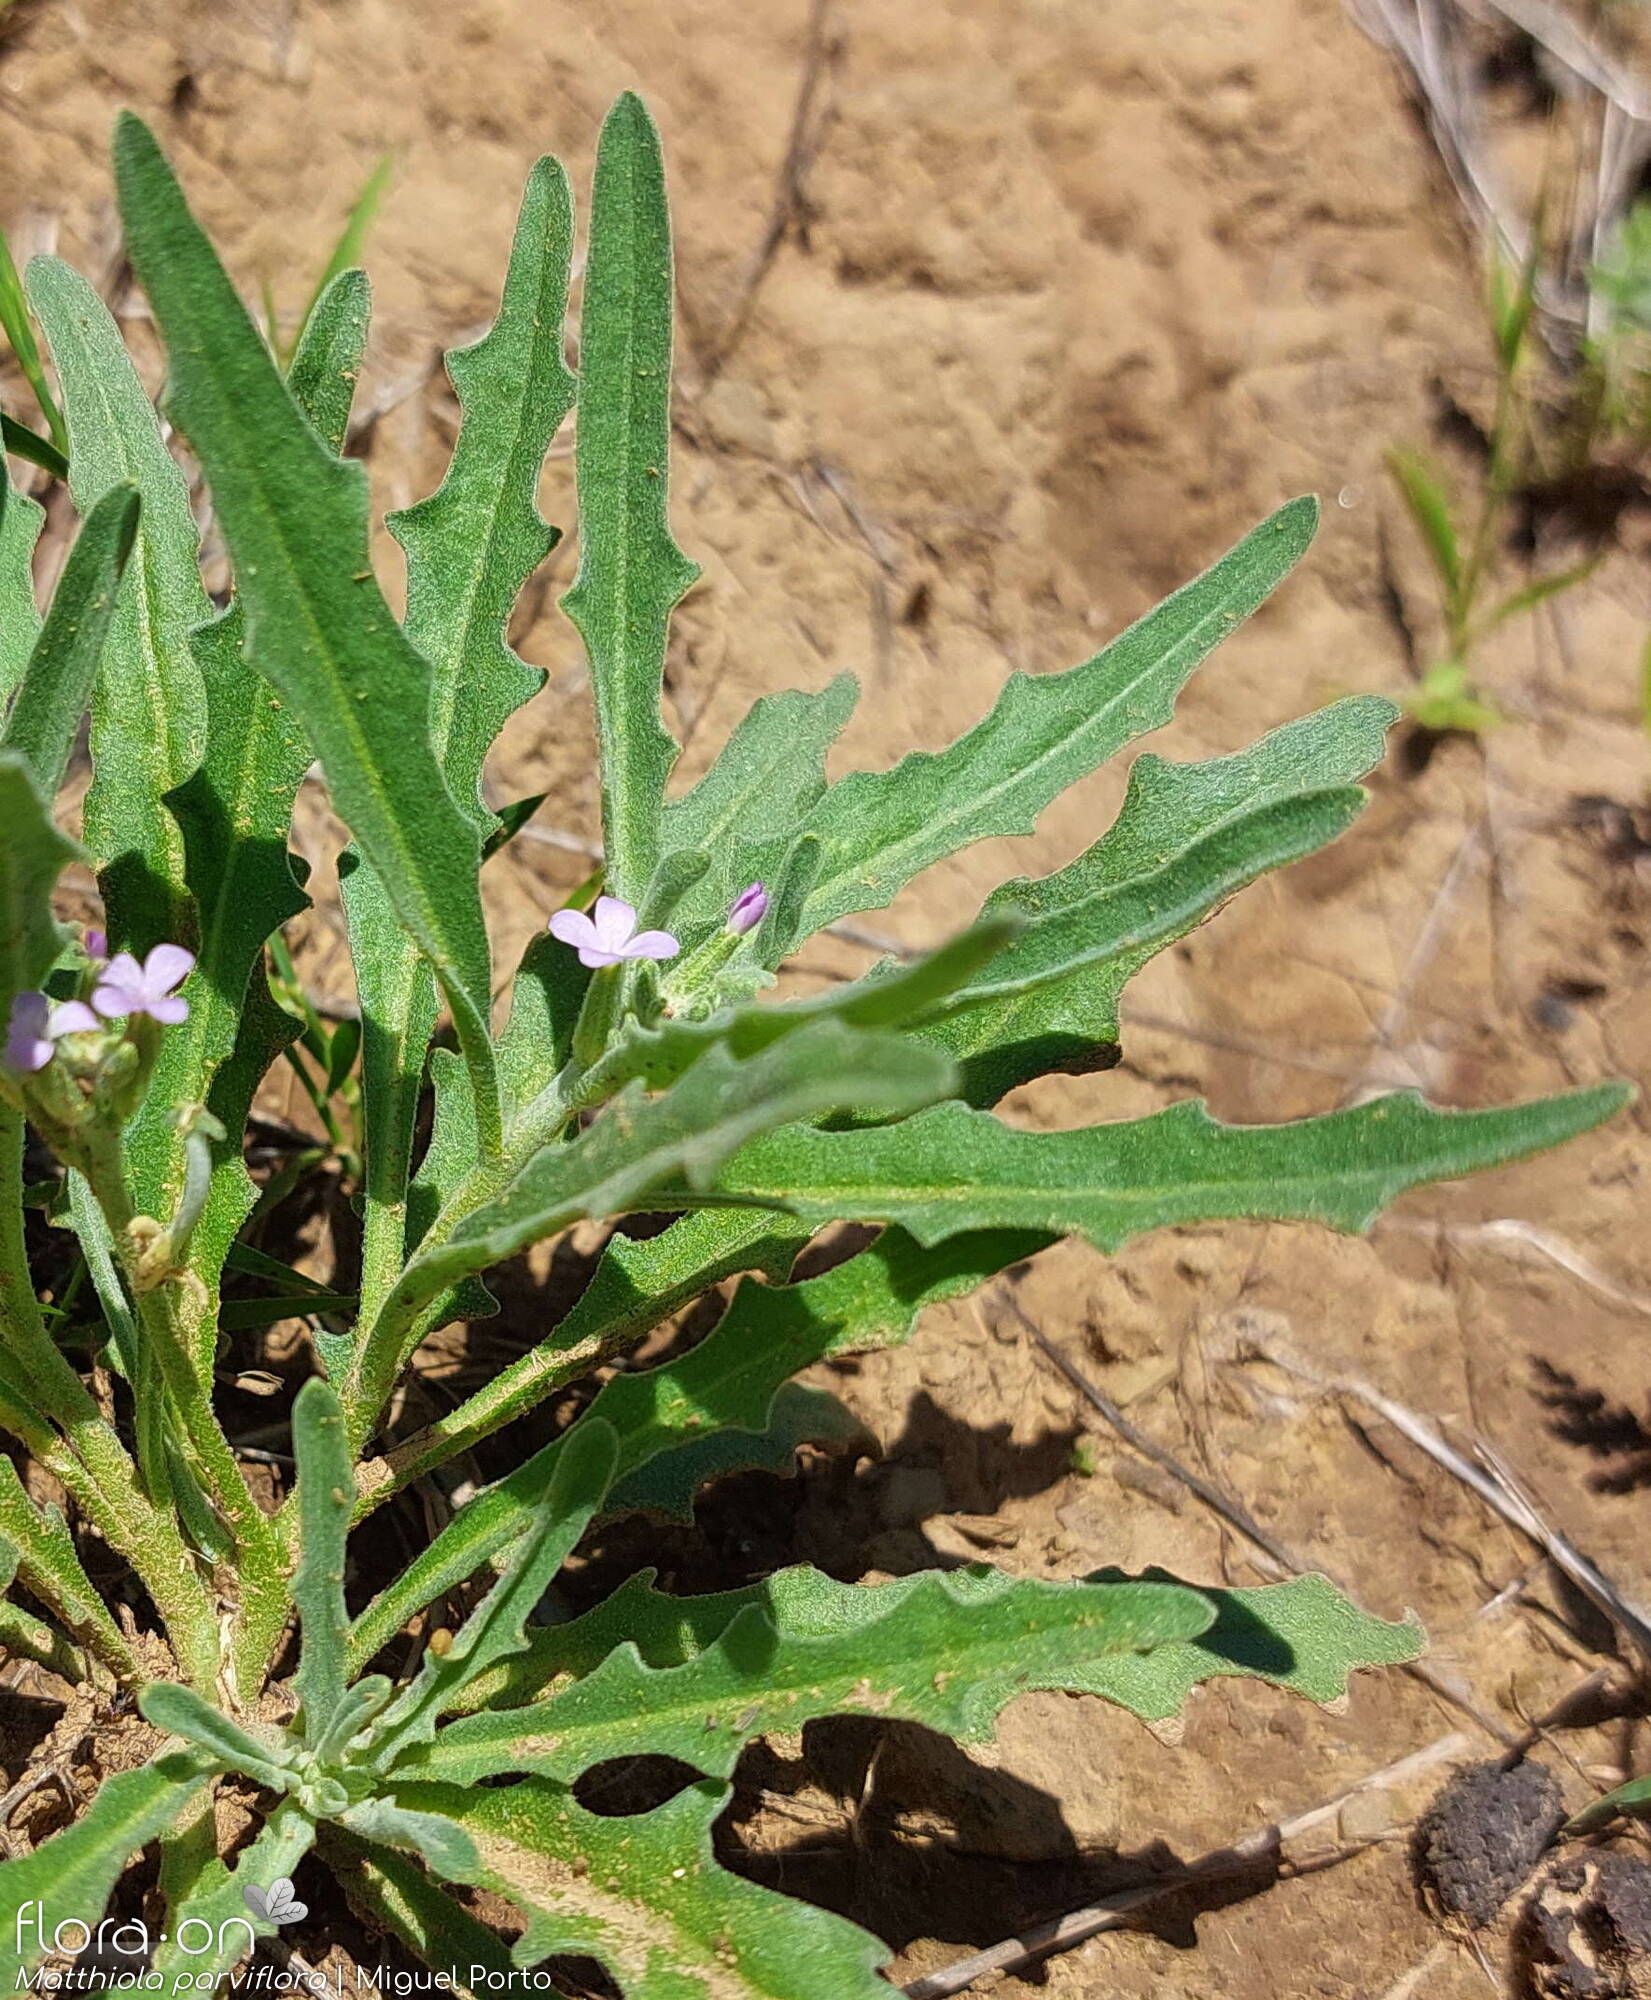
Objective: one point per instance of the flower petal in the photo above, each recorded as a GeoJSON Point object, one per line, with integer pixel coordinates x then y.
{"type": "Point", "coordinates": [167, 967]}
{"type": "Point", "coordinates": [595, 957]}
{"type": "Point", "coordinates": [652, 944]}
{"type": "Point", "coordinates": [72, 1017]}
{"type": "Point", "coordinates": [615, 921]}
{"type": "Point", "coordinates": [26, 1046]}
{"type": "Point", "coordinates": [169, 1008]}
{"type": "Point", "coordinates": [572, 927]}
{"type": "Point", "coordinates": [121, 989]}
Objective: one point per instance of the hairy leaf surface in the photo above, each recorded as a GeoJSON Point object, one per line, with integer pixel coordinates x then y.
{"type": "Point", "coordinates": [76, 1870]}
{"type": "Point", "coordinates": [62, 670]}
{"type": "Point", "coordinates": [1189, 836]}
{"type": "Point", "coordinates": [470, 548]}
{"type": "Point", "coordinates": [32, 856]}
{"type": "Point", "coordinates": [149, 711]}
{"type": "Point", "coordinates": [295, 519]}
{"type": "Point", "coordinates": [951, 1653]}
{"type": "Point", "coordinates": [951, 1169]}
{"type": "Point", "coordinates": [764, 782]}
{"type": "Point", "coordinates": [20, 520]}
{"type": "Point", "coordinates": [644, 1894]}
{"type": "Point", "coordinates": [880, 828]}
{"type": "Point", "coordinates": [1303, 1635]}
{"type": "Point", "coordinates": [631, 574]}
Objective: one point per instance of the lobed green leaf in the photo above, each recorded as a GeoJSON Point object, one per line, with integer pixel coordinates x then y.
{"type": "Point", "coordinates": [631, 574]}
{"type": "Point", "coordinates": [1188, 837]}
{"type": "Point", "coordinates": [644, 1894]}
{"type": "Point", "coordinates": [295, 518]}
{"type": "Point", "coordinates": [950, 1652]}
{"type": "Point", "coordinates": [952, 1169]}
{"type": "Point", "coordinates": [880, 828]}
{"type": "Point", "coordinates": [149, 709]}
{"type": "Point", "coordinates": [764, 782]}
{"type": "Point", "coordinates": [1303, 1635]}
{"type": "Point", "coordinates": [75, 1871]}
{"type": "Point", "coordinates": [638, 1143]}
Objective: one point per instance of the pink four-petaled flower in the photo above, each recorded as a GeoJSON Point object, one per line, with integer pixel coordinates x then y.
{"type": "Point", "coordinates": [129, 988]}
{"type": "Point", "coordinates": [36, 1023]}
{"type": "Point", "coordinates": [609, 934]}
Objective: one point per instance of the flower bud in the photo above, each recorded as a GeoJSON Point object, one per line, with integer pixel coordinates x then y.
{"type": "Point", "coordinates": [750, 907]}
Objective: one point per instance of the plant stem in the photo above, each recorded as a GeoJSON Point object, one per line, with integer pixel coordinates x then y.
{"type": "Point", "coordinates": [89, 1459]}
{"type": "Point", "coordinates": [260, 1565]}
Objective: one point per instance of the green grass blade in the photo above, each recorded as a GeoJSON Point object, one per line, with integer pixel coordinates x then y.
{"type": "Point", "coordinates": [20, 523]}
{"type": "Point", "coordinates": [295, 519]}
{"type": "Point", "coordinates": [19, 330]}
{"type": "Point", "coordinates": [326, 1495]}
{"type": "Point", "coordinates": [952, 1169]}
{"type": "Point", "coordinates": [631, 574]}
{"type": "Point", "coordinates": [149, 708]}
{"type": "Point", "coordinates": [57, 685]}
{"type": "Point", "coordinates": [880, 828]}
{"type": "Point", "coordinates": [21, 442]}
{"type": "Point", "coordinates": [352, 238]}
{"type": "Point", "coordinates": [1429, 507]}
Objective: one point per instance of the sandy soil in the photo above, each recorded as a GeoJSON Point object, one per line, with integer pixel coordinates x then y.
{"type": "Point", "coordinates": [1078, 294]}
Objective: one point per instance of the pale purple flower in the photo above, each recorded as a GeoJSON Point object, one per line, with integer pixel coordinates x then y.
{"type": "Point", "coordinates": [750, 907]}
{"type": "Point", "coordinates": [129, 988]}
{"type": "Point", "coordinates": [609, 934]}
{"type": "Point", "coordinates": [95, 944]}
{"type": "Point", "coordinates": [36, 1023]}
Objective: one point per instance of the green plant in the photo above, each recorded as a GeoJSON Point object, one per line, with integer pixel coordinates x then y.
{"type": "Point", "coordinates": [1462, 548]}
{"type": "Point", "coordinates": [636, 1071]}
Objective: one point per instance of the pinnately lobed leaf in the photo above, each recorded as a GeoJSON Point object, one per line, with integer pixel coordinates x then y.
{"type": "Point", "coordinates": [295, 519]}
{"type": "Point", "coordinates": [78, 1868]}
{"type": "Point", "coordinates": [950, 1652]}
{"type": "Point", "coordinates": [644, 1894]}
{"type": "Point", "coordinates": [950, 1168]}
{"type": "Point", "coordinates": [235, 813]}
{"type": "Point", "coordinates": [631, 574]}
{"type": "Point", "coordinates": [149, 712]}
{"type": "Point", "coordinates": [470, 548]}
{"type": "Point", "coordinates": [880, 828]}
{"type": "Point", "coordinates": [1188, 836]}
